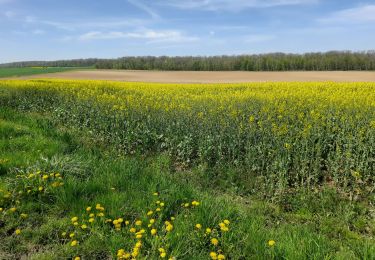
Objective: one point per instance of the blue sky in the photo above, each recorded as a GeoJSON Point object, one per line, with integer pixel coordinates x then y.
{"type": "Point", "coordinates": [56, 29]}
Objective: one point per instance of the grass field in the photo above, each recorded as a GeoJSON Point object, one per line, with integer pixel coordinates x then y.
{"type": "Point", "coordinates": [27, 71]}
{"type": "Point", "coordinates": [104, 170]}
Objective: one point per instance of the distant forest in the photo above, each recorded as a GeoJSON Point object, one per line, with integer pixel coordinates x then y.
{"type": "Point", "coordinates": [334, 60]}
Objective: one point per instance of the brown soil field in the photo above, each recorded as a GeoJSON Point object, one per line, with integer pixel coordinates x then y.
{"type": "Point", "coordinates": [210, 76]}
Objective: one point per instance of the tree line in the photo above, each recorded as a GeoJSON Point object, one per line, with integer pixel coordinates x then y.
{"type": "Point", "coordinates": [334, 60]}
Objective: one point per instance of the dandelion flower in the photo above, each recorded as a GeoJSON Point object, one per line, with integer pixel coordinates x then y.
{"type": "Point", "coordinates": [198, 226]}
{"type": "Point", "coordinates": [221, 257]}
{"type": "Point", "coordinates": [138, 223]}
{"type": "Point", "coordinates": [214, 241]}
{"type": "Point", "coordinates": [271, 242]}
{"type": "Point", "coordinates": [77, 258]}
{"type": "Point", "coordinates": [153, 231]}
{"type": "Point", "coordinates": [18, 231]}
{"type": "Point", "coordinates": [213, 255]}
{"type": "Point", "coordinates": [208, 230]}
{"type": "Point", "coordinates": [88, 209]}
{"type": "Point", "coordinates": [74, 243]}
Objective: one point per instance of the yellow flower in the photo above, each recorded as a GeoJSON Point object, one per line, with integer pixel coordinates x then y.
{"type": "Point", "coordinates": [150, 213]}
{"type": "Point", "coordinates": [71, 235]}
{"type": "Point", "coordinates": [213, 255]}
{"type": "Point", "coordinates": [1, 209]}
{"type": "Point", "coordinates": [208, 230]}
{"type": "Point", "coordinates": [18, 231]}
{"type": "Point", "coordinates": [88, 209]}
{"type": "Point", "coordinates": [138, 223]}
{"type": "Point", "coordinates": [127, 222]}
{"type": "Point", "coordinates": [101, 214]}
{"type": "Point", "coordinates": [152, 221]}
{"type": "Point", "coordinates": [75, 223]}
{"type": "Point", "coordinates": [186, 205]}
{"type": "Point", "coordinates": [12, 209]}
{"type": "Point", "coordinates": [214, 241]}
{"type": "Point", "coordinates": [83, 226]}
{"type": "Point", "coordinates": [220, 256]}
{"type": "Point", "coordinates": [63, 234]}
{"type": "Point", "coordinates": [92, 215]}
{"type": "Point", "coordinates": [45, 177]}
{"type": "Point", "coordinates": [153, 231]}
{"type": "Point", "coordinates": [271, 242]}
{"type": "Point", "coordinates": [195, 203]}
{"type": "Point", "coordinates": [74, 243]}
{"type": "Point", "coordinates": [132, 230]}
{"type": "Point", "coordinates": [158, 209]}
{"type": "Point", "coordinates": [77, 258]}
{"type": "Point", "coordinates": [227, 222]}
{"type": "Point", "coordinates": [163, 255]}
{"type": "Point", "coordinates": [169, 228]}
{"type": "Point", "coordinates": [162, 204]}
{"type": "Point", "coordinates": [155, 194]}
{"type": "Point", "coordinates": [40, 188]}
{"type": "Point", "coordinates": [23, 215]}
{"type": "Point", "coordinates": [198, 226]}
{"type": "Point", "coordinates": [138, 236]}
{"type": "Point", "coordinates": [91, 220]}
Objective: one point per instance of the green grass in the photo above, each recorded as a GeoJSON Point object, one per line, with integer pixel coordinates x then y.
{"type": "Point", "coordinates": [26, 71]}
{"type": "Point", "coordinates": [321, 224]}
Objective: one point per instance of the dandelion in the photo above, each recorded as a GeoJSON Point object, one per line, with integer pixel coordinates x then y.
{"type": "Point", "coordinates": [88, 209]}
{"type": "Point", "coordinates": [271, 242]}
{"type": "Point", "coordinates": [195, 203]}
{"type": "Point", "coordinates": [18, 231]}
{"type": "Point", "coordinates": [220, 256]}
{"type": "Point", "coordinates": [227, 222]}
{"type": "Point", "coordinates": [132, 230]}
{"type": "Point", "coordinates": [91, 220]}
{"type": "Point", "coordinates": [162, 204]}
{"type": "Point", "coordinates": [13, 209]}
{"type": "Point", "coordinates": [150, 213]}
{"type": "Point", "coordinates": [153, 231]}
{"type": "Point", "coordinates": [198, 226]}
{"type": "Point", "coordinates": [83, 226]}
{"type": "Point", "coordinates": [158, 209]}
{"type": "Point", "coordinates": [77, 258]}
{"type": "Point", "coordinates": [23, 215]}
{"type": "Point", "coordinates": [208, 230]}
{"type": "Point", "coordinates": [71, 235]}
{"type": "Point", "coordinates": [214, 241]}
{"type": "Point", "coordinates": [74, 243]}
{"type": "Point", "coordinates": [63, 234]}
{"type": "Point", "coordinates": [40, 188]}
{"type": "Point", "coordinates": [155, 194]}
{"type": "Point", "coordinates": [138, 223]}
{"type": "Point", "coordinates": [213, 255]}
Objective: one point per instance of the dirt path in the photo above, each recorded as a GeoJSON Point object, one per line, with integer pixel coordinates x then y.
{"type": "Point", "coordinates": [209, 76]}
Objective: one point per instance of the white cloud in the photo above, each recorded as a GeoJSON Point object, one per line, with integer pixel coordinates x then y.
{"type": "Point", "coordinates": [361, 14]}
{"type": "Point", "coordinates": [144, 7]}
{"type": "Point", "coordinates": [231, 5]}
{"type": "Point", "coordinates": [9, 14]}
{"type": "Point", "coordinates": [38, 32]}
{"type": "Point", "coordinates": [256, 38]}
{"type": "Point", "coordinates": [150, 35]}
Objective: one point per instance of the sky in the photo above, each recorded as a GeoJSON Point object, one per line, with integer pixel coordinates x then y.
{"type": "Point", "coordinates": [67, 29]}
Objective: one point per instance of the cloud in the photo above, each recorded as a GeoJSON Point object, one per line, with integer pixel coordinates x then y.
{"type": "Point", "coordinates": [9, 14]}
{"type": "Point", "coordinates": [361, 14]}
{"type": "Point", "coordinates": [256, 38]}
{"type": "Point", "coordinates": [231, 5]}
{"type": "Point", "coordinates": [144, 7]}
{"type": "Point", "coordinates": [38, 32]}
{"type": "Point", "coordinates": [150, 35]}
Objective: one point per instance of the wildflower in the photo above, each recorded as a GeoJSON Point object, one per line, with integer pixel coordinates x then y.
{"type": "Point", "coordinates": [223, 227]}
{"type": "Point", "coordinates": [92, 215]}
{"type": "Point", "coordinates": [214, 241]}
{"type": "Point", "coordinates": [186, 205]}
{"type": "Point", "coordinates": [138, 223]}
{"type": "Point", "coordinates": [74, 243]}
{"type": "Point", "coordinates": [1, 209]}
{"type": "Point", "coordinates": [227, 222]}
{"type": "Point", "coordinates": [63, 234]}
{"type": "Point", "coordinates": [75, 223]}
{"type": "Point", "coordinates": [153, 231]}
{"type": "Point", "coordinates": [162, 252]}
{"type": "Point", "coordinates": [77, 258]}
{"type": "Point", "coordinates": [18, 231]}
{"type": "Point", "coordinates": [195, 203]}
{"type": "Point", "coordinates": [155, 194]}
{"type": "Point", "coordinates": [127, 222]}
{"type": "Point", "coordinates": [221, 257]}
{"type": "Point", "coordinates": [173, 218]}
{"type": "Point", "coordinates": [138, 236]}
{"type": "Point", "coordinates": [271, 242]}
{"type": "Point", "coordinates": [157, 202]}
{"type": "Point", "coordinates": [88, 209]}
{"type": "Point", "coordinates": [158, 209]}
{"type": "Point", "coordinates": [132, 230]}
{"type": "Point", "coordinates": [198, 226]}
{"type": "Point", "coordinates": [83, 226]}
{"type": "Point", "coordinates": [45, 177]}
{"type": "Point", "coordinates": [40, 188]}
{"type": "Point", "coordinates": [150, 213]}
{"type": "Point", "coordinates": [91, 220]}
{"type": "Point", "coordinates": [208, 230]}
{"type": "Point", "coordinates": [101, 214]}
{"type": "Point", "coordinates": [169, 227]}
{"type": "Point", "coordinates": [12, 209]}
{"type": "Point", "coordinates": [162, 204]}
{"type": "Point", "coordinates": [23, 215]}
{"type": "Point", "coordinates": [71, 235]}
{"type": "Point", "coordinates": [213, 255]}
{"type": "Point", "coordinates": [152, 221]}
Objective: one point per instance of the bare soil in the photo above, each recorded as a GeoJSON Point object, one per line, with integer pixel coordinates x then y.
{"type": "Point", "coordinates": [210, 76]}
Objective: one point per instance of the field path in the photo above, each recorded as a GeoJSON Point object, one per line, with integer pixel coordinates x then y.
{"type": "Point", "coordinates": [210, 76]}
